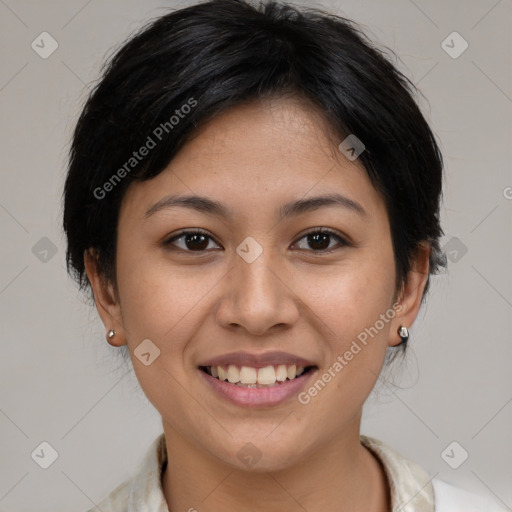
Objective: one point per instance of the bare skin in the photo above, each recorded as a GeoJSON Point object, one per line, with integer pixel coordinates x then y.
{"type": "Point", "coordinates": [195, 304]}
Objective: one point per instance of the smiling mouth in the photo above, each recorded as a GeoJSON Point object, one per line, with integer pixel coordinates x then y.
{"type": "Point", "coordinates": [249, 377]}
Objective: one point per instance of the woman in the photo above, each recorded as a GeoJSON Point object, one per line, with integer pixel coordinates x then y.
{"type": "Point", "coordinates": [253, 199]}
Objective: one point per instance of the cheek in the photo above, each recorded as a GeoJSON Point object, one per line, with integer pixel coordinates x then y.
{"type": "Point", "coordinates": [161, 304]}
{"type": "Point", "coordinates": [160, 301]}
{"type": "Point", "coordinates": [350, 296]}
{"type": "Point", "coordinates": [352, 307]}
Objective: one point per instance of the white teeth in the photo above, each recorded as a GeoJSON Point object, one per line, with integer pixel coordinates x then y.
{"type": "Point", "coordinates": [267, 375]}
{"type": "Point", "coordinates": [281, 373]}
{"type": "Point", "coordinates": [222, 373]}
{"type": "Point", "coordinates": [233, 374]}
{"type": "Point", "coordinates": [252, 377]}
{"type": "Point", "coordinates": [248, 375]}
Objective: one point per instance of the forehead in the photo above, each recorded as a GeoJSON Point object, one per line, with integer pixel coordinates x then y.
{"type": "Point", "coordinates": [257, 155]}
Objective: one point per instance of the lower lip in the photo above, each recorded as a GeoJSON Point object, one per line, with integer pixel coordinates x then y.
{"type": "Point", "coordinates": [255, 397]}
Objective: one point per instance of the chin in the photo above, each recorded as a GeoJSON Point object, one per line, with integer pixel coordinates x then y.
{"type": "Point", "coordinates": [264, 464]}
{"type": "Point", "coordinates": [261, 455]}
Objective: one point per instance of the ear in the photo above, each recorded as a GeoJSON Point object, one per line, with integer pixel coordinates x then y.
{"type": "Point", "coordinates": [106, 300]}
{"type": "Point", "coordinates": [412, 293]}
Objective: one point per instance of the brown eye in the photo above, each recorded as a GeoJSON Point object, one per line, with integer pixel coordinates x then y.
{"type": "Point", "coordinates": [200, 241]}
{"type": "Point", "coordinates": [320, 240]}
{"type": "Point", "coordinates": [191, 241]}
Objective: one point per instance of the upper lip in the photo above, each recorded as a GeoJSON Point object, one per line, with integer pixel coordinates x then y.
{"type": "Point", "coordinates": [257, 360]}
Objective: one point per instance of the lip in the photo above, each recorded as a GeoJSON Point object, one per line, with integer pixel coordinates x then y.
{"type": "Point", "coordinates": [257, 397]}
{"type": "Point", "coordinates": [257, 360]}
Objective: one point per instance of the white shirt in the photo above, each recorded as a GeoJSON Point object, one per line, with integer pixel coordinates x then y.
{"type": "Point", "coordinates": [412, 490]}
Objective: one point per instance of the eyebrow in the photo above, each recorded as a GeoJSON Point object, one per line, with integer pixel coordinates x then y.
{"type": "Point", "coordinates": [294, 208]}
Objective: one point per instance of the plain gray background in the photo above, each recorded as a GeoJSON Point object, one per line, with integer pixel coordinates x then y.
{"type": "Point", "coordinates": [61, 383]}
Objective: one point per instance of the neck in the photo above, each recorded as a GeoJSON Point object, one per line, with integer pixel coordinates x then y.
{"type": "Point", "coordinates": [342, 476]}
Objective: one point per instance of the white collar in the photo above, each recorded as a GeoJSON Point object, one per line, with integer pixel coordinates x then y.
{"type": "Point", "coordinates": [412, 490]}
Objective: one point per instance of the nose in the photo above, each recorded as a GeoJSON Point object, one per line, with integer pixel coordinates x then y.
{"type": "Point", "coordinates": [257, 296]}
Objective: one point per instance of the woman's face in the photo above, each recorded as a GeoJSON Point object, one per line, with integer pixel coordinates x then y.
{"type": "Point", "coordinates": [254, 283]}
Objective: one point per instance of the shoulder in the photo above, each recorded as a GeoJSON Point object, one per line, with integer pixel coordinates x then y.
{"type": "Point", "coordinates": [411, 485]}
{"type": "Point", "coordinates": [116, 501]}
{"type": "Point", "coordinates": [142, 492]}
{"type": "Point", "coordinates": [450, 498]}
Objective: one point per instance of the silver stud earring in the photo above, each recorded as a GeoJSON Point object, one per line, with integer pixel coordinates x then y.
{"type": "Point", "coordinates": [110, 334]}
{"type": "Point", "coordinates": [403, 332]}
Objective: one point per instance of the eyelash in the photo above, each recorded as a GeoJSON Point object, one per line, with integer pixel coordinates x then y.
{"type": "Point", "coordinates": [325, 231]}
